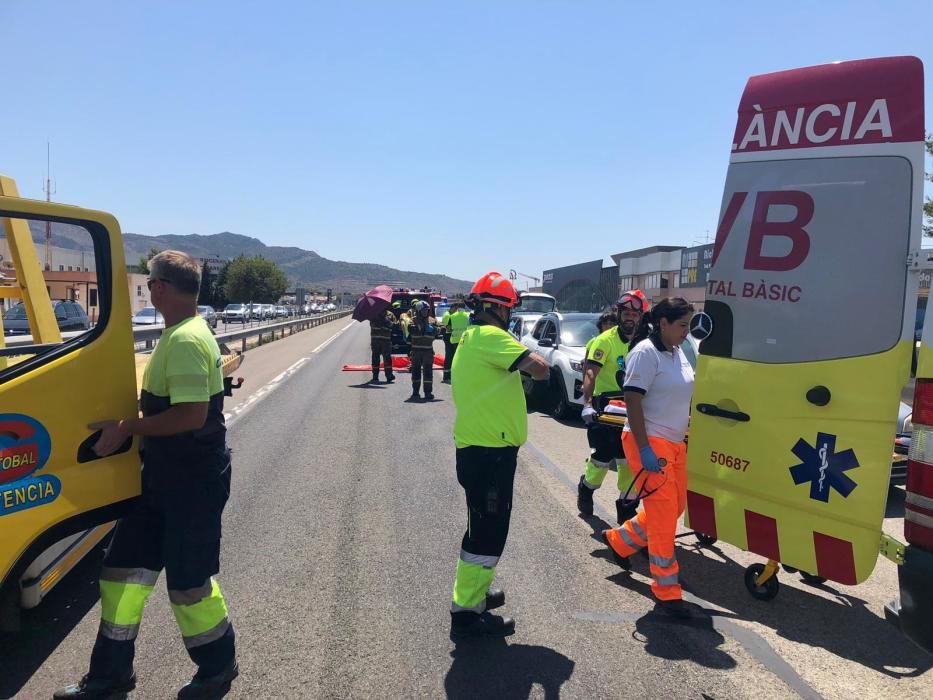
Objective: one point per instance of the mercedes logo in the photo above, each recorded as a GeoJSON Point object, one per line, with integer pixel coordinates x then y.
{"type": "Point", "coordinates": [701, 326]}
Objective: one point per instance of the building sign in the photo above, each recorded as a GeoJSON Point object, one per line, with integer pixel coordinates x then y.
{"type": "Point", "coordinates": [695, 264]}
{"type": "Point", "coordinates": [214, 265]}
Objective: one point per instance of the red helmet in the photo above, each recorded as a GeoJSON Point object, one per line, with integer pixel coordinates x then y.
{"type": "Point", "coordinates": [495, 289]}
{"type": "Point", "coordinates": [636, 299]}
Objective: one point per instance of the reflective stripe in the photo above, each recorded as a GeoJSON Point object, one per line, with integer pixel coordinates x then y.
{"type": "Point", "coordinates": [627, 538]}
{"type": "Point", "coordinates": [123, 603]}
{"type": "Point", "coordinates": [470, 586]}
{"type": "Point", "coordinates": [915, 499]}
{"type": "Point", "coordinates": [913, 516]}
{"type": "Point", "coordinates": [143, 577]}
{"type": "Point", "coordinates": [192, 595]}
{"type": "Point", "coordinates": [638, 531]}
{"type": "Point", "coordinates": [666, 580]}
{"type": "Point", "coordinates": [662, 562]}
{"type": "Point", "coordinates": [601, 465]}
{"type": "Point", "coordinates": [118, 633]}
{"type": "Point", "coordinates": [211, 635]}
{"type": "Point", "coordinates": [486, 562]}
{"type": "Point", "coordinates": [201, 617]}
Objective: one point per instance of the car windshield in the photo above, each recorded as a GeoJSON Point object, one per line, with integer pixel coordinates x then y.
{"type": "Point", "coordinates": [17, 313]}
{"type": "Point", "coordinates": [578, 333]}
{"type": "Point", "coordinates": [149, 311]}
{"type": "Point", "coordinates": [202, 309]}
{"type": "Point", "coordinates": [537, 305]}
{"type": "Point", "coordinates": [234, 307]}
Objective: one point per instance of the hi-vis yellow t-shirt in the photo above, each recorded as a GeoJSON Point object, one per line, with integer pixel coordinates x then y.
{"type": "Point", "coordinates": [487, 389]}
{"type": "Point", "coordinates": [609, 351]}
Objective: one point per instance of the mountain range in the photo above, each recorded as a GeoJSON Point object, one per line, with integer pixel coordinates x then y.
{"type": "Point", "coordinates": [302, 267]}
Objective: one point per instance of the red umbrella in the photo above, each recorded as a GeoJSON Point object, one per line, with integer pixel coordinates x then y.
{"type": "Point", "coordinates": [373, 304]}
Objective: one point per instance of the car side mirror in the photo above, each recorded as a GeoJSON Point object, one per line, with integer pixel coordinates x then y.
{"type": "Point", "coordinates": [545, 343]}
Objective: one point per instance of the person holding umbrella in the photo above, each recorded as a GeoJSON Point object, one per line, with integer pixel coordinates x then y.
{"type": "Point", "coordinates": [374, 307]}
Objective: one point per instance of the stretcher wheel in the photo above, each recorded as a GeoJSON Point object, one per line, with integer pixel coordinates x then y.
{"type": "Point", "coordinates": [705, 540]}
{"type": "Point", "coordinates": [812, 579]}
{"type": "Point", "coordinates": [768, 590]}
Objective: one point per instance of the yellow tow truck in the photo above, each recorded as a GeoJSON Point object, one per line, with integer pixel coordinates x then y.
{"type": "Point", "coordinates": [57, 498]}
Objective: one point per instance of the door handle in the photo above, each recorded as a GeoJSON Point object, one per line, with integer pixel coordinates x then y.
{"type": "Point", "coordinates": [711, 410]}
{"type": "Point", "coordinates": [86, 452]}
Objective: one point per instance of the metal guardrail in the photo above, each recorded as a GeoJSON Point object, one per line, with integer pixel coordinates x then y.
{"type": "Point", "coordinates": [145, 339]}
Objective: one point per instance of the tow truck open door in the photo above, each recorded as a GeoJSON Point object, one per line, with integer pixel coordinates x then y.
{"type": "Point", "coordinates": [73, 364]}
{"type": "Point", "coordinates": [812, 314]}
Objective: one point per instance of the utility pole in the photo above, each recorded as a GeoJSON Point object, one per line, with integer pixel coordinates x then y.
{"type": "Point", "coordinates": [49, 188]}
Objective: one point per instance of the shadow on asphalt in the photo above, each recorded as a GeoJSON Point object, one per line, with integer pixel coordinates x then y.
{"type": "Point", "coordinates": [367, 385]}
{"type": "Point", "coordinates": [493, 668]}
{"type": "Point", "coordinates": [45, 627]}
{"type": "Point", "coordinates": [693, 640]}
{"type": "Point", "coordinates": [845, 626]}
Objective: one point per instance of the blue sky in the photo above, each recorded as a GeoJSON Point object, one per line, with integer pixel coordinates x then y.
{"type": "Point", "coordinates": [452, 137]}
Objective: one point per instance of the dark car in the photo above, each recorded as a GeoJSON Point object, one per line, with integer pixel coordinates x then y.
{"type": "Point", "coordinates": [69, 315]}
{"type": "Point", "coordinates": [209, 315]}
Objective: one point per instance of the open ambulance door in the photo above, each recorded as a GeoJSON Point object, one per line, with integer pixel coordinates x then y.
{"type": "Point", "coordinates": [812, 313]}
{"type": "Point", "coordinates": [66, 360]}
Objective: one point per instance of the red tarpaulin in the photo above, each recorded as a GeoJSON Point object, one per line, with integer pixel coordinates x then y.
{"type": "Point", "coordinates": [400, 363]}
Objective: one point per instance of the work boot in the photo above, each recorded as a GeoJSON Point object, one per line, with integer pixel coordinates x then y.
{"type": "Point", "coordinates": [674, 608]}
{"type": "Point", "coordinates": [374, 380]}
{"type": "Point", "coordinates": [584, 498]}
{"type": "Point", "coordinates": [205, 687]}
{"type": "Point", "coordinates": [415, 395]}
{"type": "Point", "coordinates": [390, 378]}
{"type": "Point", "coordinates": [623, 562]}
{"type": "Point", "coordinates": [446, 379]}
{"type": "Point", "coordinates": [96, 688]}
{"type": "Point", "coordinates": [471, 624]}
{"type": "Point", "coordinates": [428, 396]}
{"type": "Point", "coordinates": [495, 598]}
{"type": "Point", "coordinates": [626, 509]}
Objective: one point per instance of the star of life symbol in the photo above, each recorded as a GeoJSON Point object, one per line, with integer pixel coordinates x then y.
{"type": "Point", "coordinates": [823, 467]}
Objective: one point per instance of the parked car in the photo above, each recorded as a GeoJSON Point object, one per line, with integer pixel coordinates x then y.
{"type": "Point", "coordinates": [535, 303]}
{"type": "Point", "coordinates": [69, 315]}
{"type": "Point", "coordinates": [255, 312]}
{"type": "Point", "coordinates": [236, 313]}
{"type": "Point", "coordinates": [281, 312]}
{"type": "Point", "coordinates": [209, 315]}
{"type": "Point", "coordinates": [148, 317]}
{"type": "Point", "coordinates": [561, 340]}
{"type": "Point", "coordinates": [522, 324]}
{"type": "Point", "coordinates": [268, 312]}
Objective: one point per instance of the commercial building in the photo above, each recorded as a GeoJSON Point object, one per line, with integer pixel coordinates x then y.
{"type": "Point", "coordinates": [587, 287]}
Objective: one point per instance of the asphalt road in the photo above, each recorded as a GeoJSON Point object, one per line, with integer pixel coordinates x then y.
{"type": "Point", "coordinates": [340, 542]}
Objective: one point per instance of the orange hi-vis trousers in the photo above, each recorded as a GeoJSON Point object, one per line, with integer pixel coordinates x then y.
{"type": "Point", "coordinates": [656, 524]}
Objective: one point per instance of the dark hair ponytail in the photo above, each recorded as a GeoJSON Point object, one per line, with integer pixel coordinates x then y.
{"type": "Point", "coordinates": [672, 309]}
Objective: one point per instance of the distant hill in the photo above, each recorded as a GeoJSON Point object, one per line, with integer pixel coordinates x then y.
{"type": "Point", "coordinates": [301, 266]}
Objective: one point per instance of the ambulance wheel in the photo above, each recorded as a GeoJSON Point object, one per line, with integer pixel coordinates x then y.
{"type": "Point", "coordinates": [812, 579]}
{"type": "Point", "coordinates": [705, 540]}
{"type": "Point", "coordinates": [768, 590]}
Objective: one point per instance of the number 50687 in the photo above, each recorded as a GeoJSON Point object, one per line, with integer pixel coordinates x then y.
{"type": "Point", "coordinates": [729, 461]}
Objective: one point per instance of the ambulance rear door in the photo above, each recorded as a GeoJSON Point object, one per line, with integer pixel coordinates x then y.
{"type": "Point", "coordinates": [811, 308]}
{"type": "Point", "coordinates": [54, 381]}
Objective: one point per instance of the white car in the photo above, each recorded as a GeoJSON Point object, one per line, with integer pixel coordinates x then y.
{"type": "Point", "coordinates": [521, 324]}
{"type": "Point", "coordinates": [561, 340]}
{"type": "Point", "coordinates": [148, 317]}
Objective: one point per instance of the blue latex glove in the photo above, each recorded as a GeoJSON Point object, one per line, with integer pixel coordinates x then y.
{"type": "Point", "coordinates": [649, 460]}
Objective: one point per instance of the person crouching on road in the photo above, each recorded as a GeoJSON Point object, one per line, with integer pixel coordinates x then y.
{"type": "Point", "coordinates": [380, 341]}
{"type": "Point", "coordinates": [421, 334]}
{"type": "Point", "coordinates": [175, 525]}
{"type": "Point", "coordinates": [490, 425]}
{"type": "Point", "coordinates": [658, 391]}
{"type": "Point", "coordinates": [603, 377]}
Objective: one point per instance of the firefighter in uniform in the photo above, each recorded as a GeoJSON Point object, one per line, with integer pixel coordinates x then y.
{"type": "Point", "coordinates": [490, 425]}
{"type": "Point", "coordinates": [603, 377]}
{"type": "Point", "coordinates": [421, 334]}
{"type": "Point", "coordinates": [457, 322]}
{"type": "Point", "coordinates": [380, 340]}
{"type": "Point", "coordinates": [177, 521]}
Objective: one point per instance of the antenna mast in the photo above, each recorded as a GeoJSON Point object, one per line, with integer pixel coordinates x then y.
{"type": "Point", "coordinates": [49, 188]}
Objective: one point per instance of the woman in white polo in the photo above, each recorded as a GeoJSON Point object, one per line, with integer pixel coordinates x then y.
{"type": "Point", "coordinates": [658, 390]}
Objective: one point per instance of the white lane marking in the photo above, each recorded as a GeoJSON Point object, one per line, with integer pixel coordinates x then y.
{"type": "Point", "coordinates": [242, 409]}
{"type": "Point", "coordinates": [330, 340]}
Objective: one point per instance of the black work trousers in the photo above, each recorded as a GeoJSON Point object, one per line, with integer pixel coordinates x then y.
{"type": "Point", "coordinates": [382, 352]}
{"type": "Point", "coordinates": [422, 368]}
{"type": "Point", "coordinates": [487, 475]}
{"type": "Point", "coordinates": [449, 351]}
